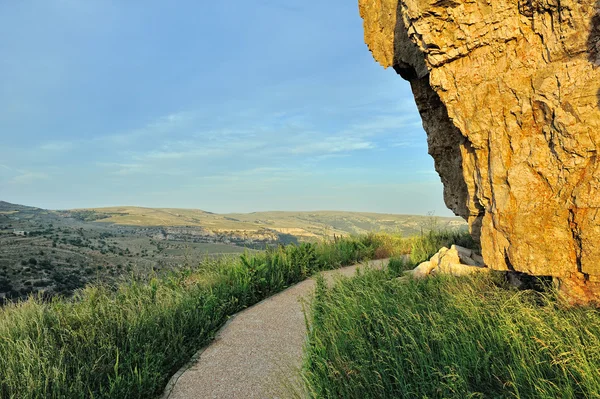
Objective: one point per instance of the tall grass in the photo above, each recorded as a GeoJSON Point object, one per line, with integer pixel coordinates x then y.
{"type": "Point", "coordinates": [427, 244]}
{"type": "Point", "coordinates": [126, 342]}
{"type": "Point", "coordinates": [444, 337]}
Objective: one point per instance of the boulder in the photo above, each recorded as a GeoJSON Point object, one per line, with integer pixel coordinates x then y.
{"type": "Point", "coordinates": [456, 261]}
{"type": "Point", "coordinates": [509, 94]}
{"type": "Point", "coordinates": [460, 269]}
{"type": "Point", "coordinates": [423, 270]}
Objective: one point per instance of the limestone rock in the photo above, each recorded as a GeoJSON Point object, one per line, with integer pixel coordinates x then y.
{"type": "Point", "coordinates": [423, 270]}
{"type": "Point", "coordinates": [456, 261]}
{"type": "Point", "coordinates": [459, 269]}
{"type": "Point", "coordinates": [508, 91]}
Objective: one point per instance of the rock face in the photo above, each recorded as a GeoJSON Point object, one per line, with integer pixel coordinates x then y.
{"type": "Point", "coordinates": [508, 91]}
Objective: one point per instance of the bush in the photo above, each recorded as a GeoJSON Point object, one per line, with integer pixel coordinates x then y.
{"type": "Point", "coordinates": [397, 265]}
{"type": "Point", "coordinates": [5, 285]}
{"type": "Point", "coordinates": [46, 264]}
{"type": "Point", "coordinates": [387, 245]}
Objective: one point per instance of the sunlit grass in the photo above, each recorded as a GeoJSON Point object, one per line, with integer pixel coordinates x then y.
{"type": "Point", "coordinates": [376, 336]}
{"type": "Point", "coordinates": [127, 342]}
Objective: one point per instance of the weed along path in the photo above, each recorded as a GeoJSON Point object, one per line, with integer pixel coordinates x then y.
{"type": "Point", "coordinates": [258, 353]}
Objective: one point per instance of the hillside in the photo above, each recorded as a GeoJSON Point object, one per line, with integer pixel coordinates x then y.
{"type": "Point", "coordinates": [56, 252]}
{"type": "Point", "coordinates": [302, 225]}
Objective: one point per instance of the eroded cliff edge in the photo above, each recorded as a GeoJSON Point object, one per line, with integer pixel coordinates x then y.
{"type": "Point", "coordinates": [509, 94]}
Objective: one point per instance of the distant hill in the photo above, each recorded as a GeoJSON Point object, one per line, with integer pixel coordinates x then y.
{"type": "Point", "coordinates": [7, 207]}
{"type": "Point", "coordinates": [55, 252]}
{"type": "Point", "coordinates": [304, 225]}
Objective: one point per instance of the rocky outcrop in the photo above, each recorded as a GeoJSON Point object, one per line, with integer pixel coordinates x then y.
{"type": "Point", "coordinates": [456, 261]}
{"type": "Point", "coordinates": [508, 91]}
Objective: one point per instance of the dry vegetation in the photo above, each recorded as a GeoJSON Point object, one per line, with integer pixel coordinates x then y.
{"type": "Point", "coordinates": [61, 251]}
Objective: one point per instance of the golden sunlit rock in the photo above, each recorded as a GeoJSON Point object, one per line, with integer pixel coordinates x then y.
{"type": "Point", "coordinates": [509, 96]}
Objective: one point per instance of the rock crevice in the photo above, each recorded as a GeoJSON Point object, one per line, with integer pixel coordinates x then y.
{"type": "Point", "coordinates": [509, 94]}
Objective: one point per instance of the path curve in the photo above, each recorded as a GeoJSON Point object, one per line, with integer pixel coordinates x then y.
{"type": "Point", "coordinates": [257, 353]}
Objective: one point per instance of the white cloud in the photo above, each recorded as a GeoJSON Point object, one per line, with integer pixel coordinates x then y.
{"type": "Point", "coordinates": [7, 167]}
{"type": "Point", "coordinates": [29, 177]}
{"type": "Point", "coordinates": [182, 143]}
{"type": "Point", "coordinates": [262, 171]}
{"type": "Point", "coordinates": [163, 155]}
{"type": "Point", "coordinates": [332, 145]}
{"type": "Point", "coordinates": [163, 125]}
{"type": "Point", "coordinates": [128, 169]}
{"type": "Point", "coordinates": [259, 175]}
{"type": "Point", "coordinates": [250, 134]}
{"type": "Point", "coordinates": [122, 169]}
{"type": "Point", "coordinates": [387, 123]}
{"type": "Point", "coordinates": [196, 150]}
{"type": "Point", "coordinates": [57, 146]}
{"type": "Point", "coordinates": [408, 143]}
{"type": "Point", "coordinates": [21, 176]}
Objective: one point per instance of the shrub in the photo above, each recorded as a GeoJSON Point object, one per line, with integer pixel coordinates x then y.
{"type": "Point", "coordinates": [5, 285]}
{"type": "Point", "coordinates": [397, 265]}
{"type": "Point", "coordinates": [387, 245]}
{"type": "Point", "coordinates": [46, 264]}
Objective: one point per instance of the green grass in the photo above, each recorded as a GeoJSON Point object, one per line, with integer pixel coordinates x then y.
{"type": "Point", "coordinates": [126, 342]}
{"type": "Point", "coordinates": [376, 336]}
{"type": "Point", "coordinates": [423, 247]}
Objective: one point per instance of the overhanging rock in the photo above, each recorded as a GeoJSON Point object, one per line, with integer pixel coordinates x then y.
{"type": "Point", "coordinates": [509, 96]}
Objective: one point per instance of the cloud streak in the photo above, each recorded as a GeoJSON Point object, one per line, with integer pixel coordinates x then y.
{"type": "Point", "coordinates": [161, 126]}
{"type": "Point", "coordinates": [28, 178]}
{"type": "Point", "coordinates": [57, 146]}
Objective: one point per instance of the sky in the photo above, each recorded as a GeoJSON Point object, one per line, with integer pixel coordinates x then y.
{"type": "Point", "coordinates": [227, 106]}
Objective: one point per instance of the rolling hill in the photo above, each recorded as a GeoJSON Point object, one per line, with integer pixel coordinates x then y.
{"type": "Point", "coordinates": [56, 252]}
{"type": "Point", "coordinates": [303, 225]}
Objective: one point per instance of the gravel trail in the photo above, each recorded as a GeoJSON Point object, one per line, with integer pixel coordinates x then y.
{"type": "Point", "coordinates": [257, 354]}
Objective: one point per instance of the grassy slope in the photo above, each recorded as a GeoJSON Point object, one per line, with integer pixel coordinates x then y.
{"type": "Point", "coordinates": [137, 216]}
{"type": "Point", "coordinates": [126, 343]}
{"type": "Point", "coordinates": [376, 337]}
{"type": "Point", "coordinates": [101, 254]}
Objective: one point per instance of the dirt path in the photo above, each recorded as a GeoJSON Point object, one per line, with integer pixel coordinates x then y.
{"type": "Point", "coordinates": [257, 354]}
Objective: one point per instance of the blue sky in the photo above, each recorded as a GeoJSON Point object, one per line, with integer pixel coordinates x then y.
{"type": "Point", "coordinates": [228, 106]}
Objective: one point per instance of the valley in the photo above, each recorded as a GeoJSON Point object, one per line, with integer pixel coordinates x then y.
{"type": "Point", "coordinates": [47, 252]}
